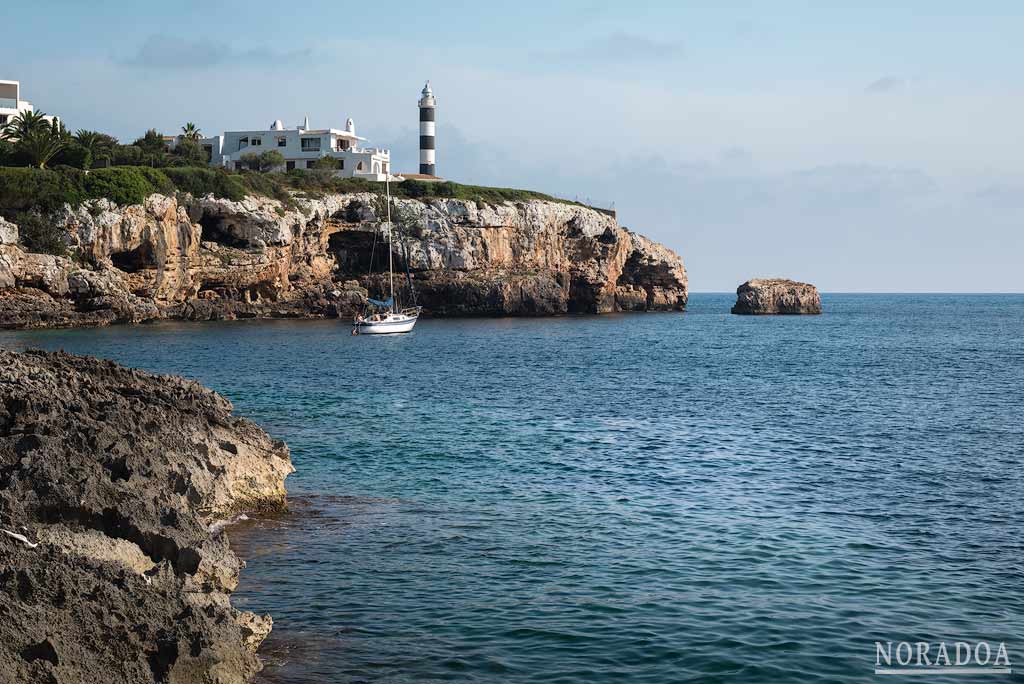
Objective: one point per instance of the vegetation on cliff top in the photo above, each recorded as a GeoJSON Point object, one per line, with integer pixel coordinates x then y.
{"type": "Point", "coordinates": [24, 189]}
{"type": "Point", "coordinates": [58, 171]}
{"type": "Point", "coordinates": [34, 139]}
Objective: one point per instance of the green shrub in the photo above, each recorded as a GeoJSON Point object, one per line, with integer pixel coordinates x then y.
{"type": "Point", "coordinates": [127, 155]}
{"type": "Point", "coordinates": [266, 184]}
{"type": "Point", "coordinates": [328, 163]}
{"type": "Point", "coordinates": [416, 189]}
{"type": "Point", "coordinates": [412, 188]}
{"type": "Point", "coordinates": [320, 181]}
{"type": "Point", "coordinates": [250, 160]}
{"type": "Point", "coordinates": [157, 179]}
{"type": "Point", "coordinates": [271, 159]}
{"type": "Point", "coordinates": [22, 189]}
{"type": "Point", "coordinates": [39, 235]}
{"type": "Point", "coordinates": [188, 153]}
{"type": "Point", "coordinates": [122, 185]}
{"type": "Point", "coordinates": [152, 142]}
{"type": "Point", "coordinates": [7, 153]}
{"type": "Point", "coordinates": [201, 181]}
{"type": "Point", "coordinates": [73, 155]}
{"type": "Point", "coordinates": [43, 189]}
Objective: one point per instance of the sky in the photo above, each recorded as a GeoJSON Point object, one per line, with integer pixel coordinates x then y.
{"type": "Point", "coordinates": [863, 147]}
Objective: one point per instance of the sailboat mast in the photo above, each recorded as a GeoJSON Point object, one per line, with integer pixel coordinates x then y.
{"type": "Point", "coordinates": [391, 270]}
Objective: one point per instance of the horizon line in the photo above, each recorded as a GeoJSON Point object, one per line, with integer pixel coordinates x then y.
{"type": "Point", "coordinates": [885, 292]}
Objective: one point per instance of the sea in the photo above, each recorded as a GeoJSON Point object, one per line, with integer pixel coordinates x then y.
{"type": "Point", "coordinates": [649, 498]}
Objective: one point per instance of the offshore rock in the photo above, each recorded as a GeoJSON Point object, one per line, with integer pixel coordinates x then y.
{"type": "Point", "coordinates": [114, 487]}
{"type": "Point", "coordinates": [207, 258]}
{"type": "Point", "coordinates": [776, 296]}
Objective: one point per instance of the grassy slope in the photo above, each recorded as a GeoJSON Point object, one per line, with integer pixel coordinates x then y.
{"type": "Point", "coordinates": [24, 189]}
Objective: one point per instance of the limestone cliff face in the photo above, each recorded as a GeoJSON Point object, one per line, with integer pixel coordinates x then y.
{"type": "Point", "coordinates": [207, 258]}
{"type": "Point", "coordinates": [8, 232]}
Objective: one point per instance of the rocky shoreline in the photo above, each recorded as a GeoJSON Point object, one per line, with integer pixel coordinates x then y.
{"type": "Point", "coordinates": [203, 258]}
{"type": "Point", "coordinates": [115, 488]}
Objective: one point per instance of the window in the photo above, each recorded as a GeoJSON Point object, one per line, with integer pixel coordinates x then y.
{"type": "Point", "coordinates": [282, 141]}
{"type": "Point", "coordinates": [208, 149]}
{"type": "Point", "coordinates": [256, 140]}
{"type": "Point", "coordinates": [238, 166]}
{"type": "Point", "coordinates": [310, 144]}
{"type": "Point", "coordinates": [342, 145]}
{"type": "Point", "coordinates": [359, 166]}
{"type": "Point", "coordinates": [289, 165]}
{"type": "Point", "coordinates": [243, 142]}
{"type": "Point", "coordinates": [341, 164]}
{"type": "Point", "coordinates": [310, 163]}
{"type": "Point", "coordinates": [3, 119]}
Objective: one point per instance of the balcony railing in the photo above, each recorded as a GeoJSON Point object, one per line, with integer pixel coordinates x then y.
{"type": "Point", "coordinates": [8, 103]}
{"type": "Point", "coordinates": [367, 150]}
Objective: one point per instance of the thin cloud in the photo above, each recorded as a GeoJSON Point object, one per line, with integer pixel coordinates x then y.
{"type": "Point", "coordinates": [622, 47]}
{"type": "Point", "coordinates": [1002, 195]}
{"type": "Point", "coordinates": [169, 52]}
{"type": "Point", "coordinates": [886, 84]}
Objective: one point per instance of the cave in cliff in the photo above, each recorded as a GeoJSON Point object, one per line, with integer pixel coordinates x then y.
{"type": "Point", "coordinates": [134, 260]}
{"type": "Point", "coordinates": [358, 254]}
{"type": "Point", "coordinates": [213, 230]}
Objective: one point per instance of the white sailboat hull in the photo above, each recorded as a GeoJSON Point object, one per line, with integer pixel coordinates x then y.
{"type": "Point", "coordinates": [388, 320]}
{"type": "Point", "coordinates": [392, 323]}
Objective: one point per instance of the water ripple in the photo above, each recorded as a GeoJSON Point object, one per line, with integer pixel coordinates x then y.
{"type": "Point", "coordinates": [665, 498]}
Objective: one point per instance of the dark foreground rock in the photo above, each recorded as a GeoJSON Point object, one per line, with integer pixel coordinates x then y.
{"type": "Point", "coordinates": [115, 486]}
{"type": "Point", "coordinates": [776, 296]}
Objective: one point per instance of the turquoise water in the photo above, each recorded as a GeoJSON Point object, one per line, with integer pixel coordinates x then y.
{"type": "Point", "coordinates": [645, 498]}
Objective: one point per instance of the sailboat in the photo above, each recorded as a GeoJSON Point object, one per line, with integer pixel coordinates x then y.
{"type": "Point", "coordinates": [387, 316]}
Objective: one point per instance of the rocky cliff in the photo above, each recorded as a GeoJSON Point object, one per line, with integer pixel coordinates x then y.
{"type": "Point", "coordinates": [115, 486]}
{"type": "Point", "coordinates": [776, 296]}
{"type": "Point", "coordinates": [206, 258]}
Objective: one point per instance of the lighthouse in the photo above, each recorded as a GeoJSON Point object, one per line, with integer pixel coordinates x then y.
{"type": "Point", "coordinates": [427, 148]}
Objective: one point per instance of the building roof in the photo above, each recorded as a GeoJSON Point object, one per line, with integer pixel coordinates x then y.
{"type": "Point", "coordinates": [426, 177]}
{"type": "Point", "coordinates": [318, 131]}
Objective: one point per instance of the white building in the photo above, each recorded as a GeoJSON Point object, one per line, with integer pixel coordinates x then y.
{"type": "Point", "coordinates": [301, 147]}
{"type": "Point", "coordinates": [11, 103]}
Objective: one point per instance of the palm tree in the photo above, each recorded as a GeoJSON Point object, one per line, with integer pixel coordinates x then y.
{"type": "Point", "coordinates": [100, 145]}
{"type": "Point", "coordinates": [191, 132]}
{"type": "Point", "coordinates": [43, 143]}
{"type": "Point", "coordinates": [94, 141]}
{"type": "Point", "coordinates": [24, 124]}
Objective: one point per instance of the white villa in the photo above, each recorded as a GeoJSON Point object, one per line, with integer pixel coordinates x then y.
{"type": "Point", "coordinates": [301, 147]}
{"type": "Point", "coordinates": [11, 103]}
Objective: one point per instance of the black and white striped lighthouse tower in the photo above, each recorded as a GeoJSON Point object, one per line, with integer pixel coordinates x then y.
{"type": "Point", "coordinates": [428, 162]}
